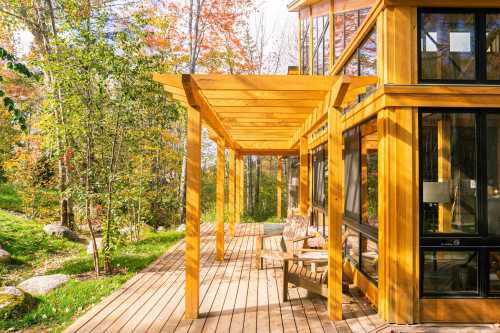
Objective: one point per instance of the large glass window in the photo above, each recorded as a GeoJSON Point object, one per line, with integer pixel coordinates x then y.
{"type": "Point", "coordinates": [459, 45]}
{"type": "Point", "coordinates": [320, 172]}
{"type": "Point", "coordinates": [449, 172]}
{"type": "Point", "coordinates": [460, 202]}
{"type": "Point", "coordinates": [361, 197]}
{"type": "Point", "coordinates": [346, 26]}
{"type": "Point", "coordinates": [450, 272]}
{"type": "Point", "coordinates": [304, 45]}
{"type": "Point", "coordinates": [321, 52]}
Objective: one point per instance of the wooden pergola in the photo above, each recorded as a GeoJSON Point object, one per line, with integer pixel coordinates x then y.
{"type": "Point", "coordinates": [261, 115]}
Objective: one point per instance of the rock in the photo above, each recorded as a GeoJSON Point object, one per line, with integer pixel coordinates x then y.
{"type": "Point", "coordinates": [60, 231]}
{"type": "Point", "coordinates": [181, 228]}
{"type": "Point", "coordinates": [42, 285]}
{"type": "Point", "coordinates": [4, 256]}
{"type": "Point", "coordinates": [14, 302]}
{"type": "Point", "coordinates": [125, 231]}
{"type": "Point", "coordinates": [160, 228]}
{"type": "Point", "coordinates": [90, 247]}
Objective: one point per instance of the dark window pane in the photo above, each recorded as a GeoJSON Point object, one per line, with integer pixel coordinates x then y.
{"type": "Point", "coordinates": [352, 245]}
{"type": "Point", "coordinates": [493, 166]}
{"type": "Point", "coordinates": [495, 272]}
{"type": "Point", "coordinates": [369, 174]}
{"type": "Point", "coordinates": [449, 172]}
{"type": "Point", "coordinates": [493, 46]}
{"type": "Point", "coordinates": [450, 271]}
{"type": "Point", "coordinates": [351, 174]}
{"type": "Point", "coordinates": [339, 35]}
{"type": "Point", "coordinates": [448, 46]}
{"type": "Point", "coordinates": [368, 56]}
{"type": "Point", "coordinates": [369, 258]}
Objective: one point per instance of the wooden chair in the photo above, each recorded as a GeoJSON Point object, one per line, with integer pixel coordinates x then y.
{"type": "Point", "coordinates": [293, 238]}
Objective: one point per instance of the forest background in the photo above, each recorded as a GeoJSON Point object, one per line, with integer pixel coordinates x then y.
{"type": "Point", "coordinates": [87, 139]}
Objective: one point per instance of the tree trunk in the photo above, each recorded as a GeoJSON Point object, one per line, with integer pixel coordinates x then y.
{"type": "Point", "coordinates": [88, 152]}
{"type": "Point", "coordinates": [249, 184]}
{"type": "Point", "coordinates": [257, 182]}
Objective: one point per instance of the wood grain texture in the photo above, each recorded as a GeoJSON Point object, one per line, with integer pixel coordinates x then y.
{"type": "Point", "coordinates": [221, 164]}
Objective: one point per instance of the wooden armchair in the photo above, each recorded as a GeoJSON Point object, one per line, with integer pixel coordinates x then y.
{"type": "Point", "coordinates": [293, 237]}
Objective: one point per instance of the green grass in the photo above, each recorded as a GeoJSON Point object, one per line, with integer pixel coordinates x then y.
{"type": "Point", "coordinates": [31, 249]}
{"type": "Point", "coordinates": [10, 199]}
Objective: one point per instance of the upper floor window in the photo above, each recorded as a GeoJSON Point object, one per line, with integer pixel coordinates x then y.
{"type": "Point", "coordinates": [459, 45]}
{"type": "Point", "coordinates": [346, 26]}
{"type": "Point", "coordinates": [304, 45]}
{"type": "Point", "coordinates": [364, 60]}
{"type": "Point", "coordinates": [321, 42]}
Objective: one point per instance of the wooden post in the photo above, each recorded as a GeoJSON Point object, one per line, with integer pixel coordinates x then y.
{"type": "Point", "coordinates": [335, 215]}
{"type": "Point", "coordinates": [232, 191]}
{"type": "Point", "coordinates": [279, 185]}
{"type": "Point", "coordinates": [193, 180]}
{"type": "Point", "coordinates": [237, 210]}
{"type": "Point", "coordinates": [242, 184]}
{"type": "Point", "coordinates": [304, 177]}
{"type": "Point", "coordinates": [220, 199]}
{"type": "Point", "coordinates": [444, 172]}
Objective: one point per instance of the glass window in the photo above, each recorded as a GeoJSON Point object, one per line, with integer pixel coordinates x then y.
{"type": "Point", "coordinates": [450, 272]}
{"type": "Point", "coordinates": [368, 56]}
{"type": "Point", "coordinates": [305, 46]}
{"type": "Point", "coordinates": [351, 174]}
{"type": "Point", "coordinates": [493, 171]}
{"type": "Point", "coordinates": [350, 26]}
{"type": "Point", "coordinates": [493, 46]}
{"type": "Point", "coordinates": [369, 258]}
{"type": "Point", "coordinates": [448, 46]}
{"type": "Point", "coordinates": [339, 35]}
{"type": "Point", "coordinates": [352, 245]}
{"type": "Point", "coordinates": [495, 272]}
{"type": "Point", "coordinates": [369, 174]}
{"type": "Point", "coordinates": [449, 172]}
{"type": "Point", "coordinates": [321, 42]}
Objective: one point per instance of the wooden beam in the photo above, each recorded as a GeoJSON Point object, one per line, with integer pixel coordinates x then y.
{"type": "Point", "coordinates": [444, 172]}
{"type": "Point", "coordinates": [263, 82]}
{"type": "Point", "coordinates": [444, 3]}
{"type": "Point", "coordinates": [264, 94]}
{"type": "Point", "coordinates": [304, 177]}
{"type": "Point", "coordinates": [271, 152]}
{"type": "Point", "coordinates": [279, 186]}
{"type": "Point", "coordinates": [290, 110]}
{"type": "Point", "coordinates": [221, 165]}
{"type": "Point", "coordinates": [232, 192]}
{"type": "Point", "coordinates": [193, 188]}
{"type": "Point", "coordinates": [268, 103]}
{"type": "Point", "coordinates": [335, 215]}
{"type": "Point", "coordinates": [238, 189]}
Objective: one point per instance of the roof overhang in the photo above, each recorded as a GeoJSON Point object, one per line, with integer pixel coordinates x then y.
{"type": "Point", "coordinates": [259, 114]}
{"type": "Point", "coordinates": [296, 5]}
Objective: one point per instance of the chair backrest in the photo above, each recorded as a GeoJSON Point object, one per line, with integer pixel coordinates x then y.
{"type": "Point", "coordinates": [295, 228]}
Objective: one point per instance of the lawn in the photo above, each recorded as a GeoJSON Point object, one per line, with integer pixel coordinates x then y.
{"type": "Point", "coordinates": [35, 253]}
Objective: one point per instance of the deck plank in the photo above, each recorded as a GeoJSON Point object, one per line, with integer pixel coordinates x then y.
{"type": "Point", "coordinates": [234, 296]}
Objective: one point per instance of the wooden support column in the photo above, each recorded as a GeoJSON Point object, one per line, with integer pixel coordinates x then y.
{"type": "Point", "coordinates": [232, 192]}
{"type": "Point", "coordinates": [220, 199]}
{"type": "Point", "coordinates": [237, 210]}
{"type": "Point", "coordinates": [335, 215]}
{"type": "Point", "coordinates": [444, 172]}
{"type": "Point", "coordinates": [279, 185]}
{"type": "Point", "coordinates": [398, 215]}
{"type": "Point", "coordinates": [193, 188]}
{"type": "Point", "coordinates": [304, 177]}
{"type": "Point", "coordinates": [242, 184]}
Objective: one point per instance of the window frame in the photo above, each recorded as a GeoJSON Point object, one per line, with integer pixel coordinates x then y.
{"type": "Point", "coordinates": [355, 223]}
{"type": "Point", "coordinates": [480, 43]}
{"type": "Point", "coordinates": [321, 35]}
{"type": "Point", "coordinates": [481, 241]}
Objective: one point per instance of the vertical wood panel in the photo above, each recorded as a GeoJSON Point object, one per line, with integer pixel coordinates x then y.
{"type": "Point", "coordinates": [193, 180]}
{"type": "Point", "coordinates": [335, 220]}
{"type": "Point", "coordinates": [304, 177]}
{"type": "Point", "coordinates": [232, 191]}
{"type": "Point", "coordinates": [220, 200]}
{"type": "Point", "coordinates": [444, 171]}
{"type": "Point", "coordinates": [279, 185]}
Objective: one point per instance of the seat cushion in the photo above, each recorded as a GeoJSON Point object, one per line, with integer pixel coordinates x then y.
{"type": "Point", "coordinates": [273, 229]}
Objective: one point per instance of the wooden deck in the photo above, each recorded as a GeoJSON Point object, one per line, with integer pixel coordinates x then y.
{"type": "Point", "coordinates": [234, 297]}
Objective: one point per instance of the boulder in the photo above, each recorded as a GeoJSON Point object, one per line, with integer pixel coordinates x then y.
{"type": "Point", "coordinates": [181, 228]}
{"type": "Point", "coordinates": [60, 231]}
{"type": "Point", "coordinates": [90, 247]}
{"type": "Point", "coordinates": [42, 285]}
{"type": "Point", "coordinates": [4, 256]}
{"type": "Point", "coordinates": [160, 228]}
{"type": "Point", "coordinates": [14, 302]}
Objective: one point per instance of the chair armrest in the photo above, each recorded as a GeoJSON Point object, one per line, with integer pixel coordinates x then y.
{"type": "Point", "coordinates": [312, 250]}
{"type": "Point", "coordinates": [303, 238]}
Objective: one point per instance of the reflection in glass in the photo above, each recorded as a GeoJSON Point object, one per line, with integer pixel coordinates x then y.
{"type": "Point", "coordinates": [448, 46]}
{"type": "Point", "coordinates": [493, 46]}
{"type": "Point", "coordinates": [369, 258]}
{"type": "Point", "coordinates": [368, 56]}
{"type": "Point", "coordinates": [369, 173]}
{"type": "Point", "coordinates": [495, 272]}
{"type": "Point", "coordinates": [339, 35]}
{"type": "Point", "coordinates": [351, 174]}
{"type": "Point", "coordinates": [305, 45]}
{"type": "Point", "coordinates": [350, 26]}
{"type": "Point", "coordinates": [321, 42]}
{"type": "Point", "coordinates": [352, 245]}
{"type": "Point", "coordinates": [493, 167]}
{"type": "Point", "coordinates": [449, 172]}
{"type": "Point", "coordinates": [450, 271]}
